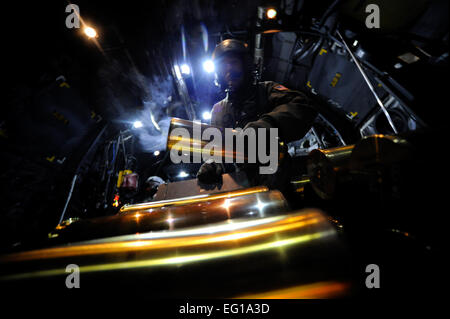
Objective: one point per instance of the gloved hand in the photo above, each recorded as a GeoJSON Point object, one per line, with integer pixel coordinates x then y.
{"type": "Point", "coordinates": [210, 172]}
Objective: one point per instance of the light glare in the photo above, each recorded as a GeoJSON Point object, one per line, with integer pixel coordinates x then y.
{"type": "Point", "coordinates": [185, 69]}
{"type": "Point", "coordinates": [208, 66]}
{"type": "Point", "coordinates": [271, 13]}
{"type": "Point", "coordinates": [137, 124]}
{"type": "Point", "coordinates": [206, 115]}
{"type": "Point", "coordinates": [183, 174]}
{"type": "Point", "coordinates": [90, 32]}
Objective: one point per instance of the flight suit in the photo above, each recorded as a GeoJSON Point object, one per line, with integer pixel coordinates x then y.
{"type": "Point", "coordinates": [268, 104]}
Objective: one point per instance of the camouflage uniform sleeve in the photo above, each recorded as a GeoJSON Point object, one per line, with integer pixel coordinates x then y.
{"type": "Point", "coordinates": [292, 112]}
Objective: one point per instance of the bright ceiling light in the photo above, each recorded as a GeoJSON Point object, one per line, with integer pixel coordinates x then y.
{"type": "Point", "coordinates": [271, 13]}
{"type": "Point", "coordinates": [156, 153]}
{"type": "Point", "coordinates": [90, 32]}
{"type": "Point", "coordinates": [138, 124]}
{"type": "Point", "coordinates": [185, 69]}
{"type": "Point", "coordinates": [208, 66]}
{"type": "Point", "coordinates": [206, 115]}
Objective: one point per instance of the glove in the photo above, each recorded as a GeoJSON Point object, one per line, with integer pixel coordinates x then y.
{"type": "Point", "coordinates": [210, 172]}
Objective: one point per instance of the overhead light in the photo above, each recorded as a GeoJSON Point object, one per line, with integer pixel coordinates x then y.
{"type": "Point", "coordinates": [90, 32]}
{"type": "Point", "coordinates": [138, 124]}
{"type": "Point", "coordinates": [183, 174]}
{"type": "Point", "coordinates": [208, 66]}
{"type": "Point", "coordinates": [156, 153]}
{"type": "Point", "coordinates": [271, 13]}
{"type": "Point", "coordinates": [185, 69]}
{"type": "Point", "coordinates": [206, 115]}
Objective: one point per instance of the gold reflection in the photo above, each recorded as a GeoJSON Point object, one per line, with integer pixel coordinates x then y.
{"type": "Point", "coordinates": [257, 239]}
{"type": "Point", "coordinates": [193, 146]}
{"type": "Point", "coordinates": [320, 290]}
{"type": "Point", "coordinates": [170, 220]}
{"type": "Point", "coordinates": [341, 150]}
{"type": "Point", "coordinates": [226, 204]}
{"type": "Point", "coordinates": [194, 199]}
{"type": "Point", "coordinates": [284, 224]}
{"type": "Point", "coordinates": [181, 259]}
{"type": "Point", "coordinates": [281, 250]}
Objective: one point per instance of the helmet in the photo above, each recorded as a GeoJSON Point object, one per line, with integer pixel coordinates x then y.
{"type": "Point", "coordinates": [230, 46]}
{"type": "Point", "coordinates": [237, 47]}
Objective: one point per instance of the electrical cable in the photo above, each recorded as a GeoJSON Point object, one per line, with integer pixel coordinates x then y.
{"type": "Point", "coordinates": [68, 198]}
{"type": "Point", "coordinates": [369, 84]}
{"type": "Point", "coordinates": [328, 12]}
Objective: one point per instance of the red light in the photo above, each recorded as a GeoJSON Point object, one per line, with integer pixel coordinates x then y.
{"type": "Point", "coordinates": [116, 200]}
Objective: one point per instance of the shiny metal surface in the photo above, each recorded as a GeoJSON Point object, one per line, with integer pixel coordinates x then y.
{"type": "Point", "coordinates": [298, 254]}
{"type": "Point", "coordinates": [193, 199]}
{"type": "Point", "coordinates": [323, 168]}
{"type": "Point", "coordinates": [379, 149]}
{"type": "Point", "coordinates": [195, 143]}
{"type": "Point", "coordinates": [175, 214]}
{"type": "Point", "coordinates": [330, 167]}
{"type": "Point", "coordinates": [298, 185]}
